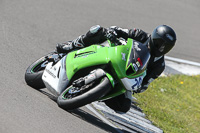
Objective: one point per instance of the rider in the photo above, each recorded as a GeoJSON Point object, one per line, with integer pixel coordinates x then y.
{"type": "Point", "coordinates": [161, 41]}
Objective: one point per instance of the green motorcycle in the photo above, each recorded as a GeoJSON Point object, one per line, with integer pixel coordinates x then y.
{"type": "Point", "coordinates": [94, 73]}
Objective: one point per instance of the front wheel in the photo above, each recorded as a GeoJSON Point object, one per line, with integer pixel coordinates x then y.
{"type": "Point", "coordinates": [74, 97]}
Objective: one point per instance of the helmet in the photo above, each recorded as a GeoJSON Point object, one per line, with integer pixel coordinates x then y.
{"type": "Point", "coordinates": [162, 40]}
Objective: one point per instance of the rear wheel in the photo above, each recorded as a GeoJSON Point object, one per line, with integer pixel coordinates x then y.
{"type": "Point", "coordinates": [74, 97]}
{"type": "Point", "coordinates": [33, 74]}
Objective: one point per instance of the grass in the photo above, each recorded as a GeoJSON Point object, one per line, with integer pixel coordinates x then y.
{"type": "Point", "coordinates": [173, 103]}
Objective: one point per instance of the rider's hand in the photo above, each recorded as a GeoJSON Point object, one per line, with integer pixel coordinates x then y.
{"type": "Point", "coordinates": [141, 89]}
{"type": "Point", "coordinates": [111, 35]}
{"type": "Point", "coordinates": [140, 35]}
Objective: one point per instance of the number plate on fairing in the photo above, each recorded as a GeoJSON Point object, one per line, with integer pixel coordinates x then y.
{"type": "Point", "coordinates": [50, 78]}
{"type": "Point", "coordinates": [132, 84]}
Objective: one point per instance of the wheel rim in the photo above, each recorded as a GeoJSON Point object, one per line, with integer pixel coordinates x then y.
{"type": "Point", "coordinates": [71, 93]}
{"type": "Point", "coordinates": [40, 66]}
{"type": "Point", "coordinates": [77, 91]}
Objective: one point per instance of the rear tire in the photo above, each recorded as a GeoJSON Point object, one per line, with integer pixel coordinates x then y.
{"type": "Point", "coordinates": [89, 96]}
{"type": "Point", "coordinates": [33, 74]}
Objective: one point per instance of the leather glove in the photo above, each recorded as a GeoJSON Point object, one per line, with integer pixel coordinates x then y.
{"type": "Point", "coordinates": [141, 89]}
{"type": "Point", "coordinates": [111, 35]}
{"type": "Point", "coordinates": [140, 35]}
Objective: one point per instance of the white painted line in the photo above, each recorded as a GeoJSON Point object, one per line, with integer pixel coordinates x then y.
{"type": "Point", "coordinates": [182, 61]}
{"type": "Point", "coordinates": [129, 114]}
{"type": "Point", "coordinates": [183, 68]}
{"type": "Point", "coordinates": [102, 118]}
{"type": "Point", "coordinates": [136, 112]}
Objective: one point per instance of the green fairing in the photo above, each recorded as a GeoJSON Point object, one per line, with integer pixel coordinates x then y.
{"type": "Point", "coordinates": [98, 55]}
{"type": "Point", "coordinates": [86, 57]}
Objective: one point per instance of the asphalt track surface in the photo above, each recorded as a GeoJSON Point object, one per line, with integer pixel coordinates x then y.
{"type": "Point", "coordinates": [31, 28]}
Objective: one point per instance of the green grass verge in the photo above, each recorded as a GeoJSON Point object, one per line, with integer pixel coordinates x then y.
{"type": "Point", "coordinates": [173, 103]}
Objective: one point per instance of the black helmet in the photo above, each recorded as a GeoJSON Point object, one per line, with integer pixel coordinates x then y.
{"type": "Point", "coordinates": [162, 41]}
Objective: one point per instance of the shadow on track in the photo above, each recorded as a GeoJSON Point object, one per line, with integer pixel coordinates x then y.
{"type": "Point", "coordinates": [83, 115]}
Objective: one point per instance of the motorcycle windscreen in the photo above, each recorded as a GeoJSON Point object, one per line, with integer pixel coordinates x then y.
{"type": "Point", "coordinates": [138, 59]}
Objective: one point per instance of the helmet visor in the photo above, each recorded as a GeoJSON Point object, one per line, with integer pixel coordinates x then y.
{"type": "Point", "coordinates": [159, 44]}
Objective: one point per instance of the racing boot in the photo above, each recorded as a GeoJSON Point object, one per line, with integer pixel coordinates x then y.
{"type": "Point", "coordinates": [69, 46]}
{"type": "Point", "coordinates": [120, 104]}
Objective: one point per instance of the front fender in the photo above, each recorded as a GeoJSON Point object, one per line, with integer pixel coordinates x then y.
{"type": "Point", "coordinates": [111, 79]}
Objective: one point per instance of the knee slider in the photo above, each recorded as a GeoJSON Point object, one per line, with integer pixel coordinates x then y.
{"type": "Point", "coordinates": [95, 29]}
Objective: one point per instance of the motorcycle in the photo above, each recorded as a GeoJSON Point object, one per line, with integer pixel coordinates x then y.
{"type": "Point", "coordinates": [94, 73]}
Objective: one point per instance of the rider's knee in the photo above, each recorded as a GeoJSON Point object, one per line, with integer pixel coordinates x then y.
{"type": "Point", "coordinates": [95, 30]}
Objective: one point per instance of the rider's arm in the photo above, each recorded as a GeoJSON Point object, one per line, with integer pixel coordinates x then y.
{"type": "Point", "coordinates": [120, 32]}
{"type": "Point", "coordinates": [136, 34]}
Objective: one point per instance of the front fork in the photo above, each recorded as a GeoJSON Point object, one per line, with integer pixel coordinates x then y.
{"type": "Point", "coordinates": [93, 76]}
{"type": "Point", "coordinates": [98, 74]}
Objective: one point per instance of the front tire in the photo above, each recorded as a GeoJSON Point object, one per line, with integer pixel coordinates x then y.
{"type": "Point", "coordinates": [89, 96]}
